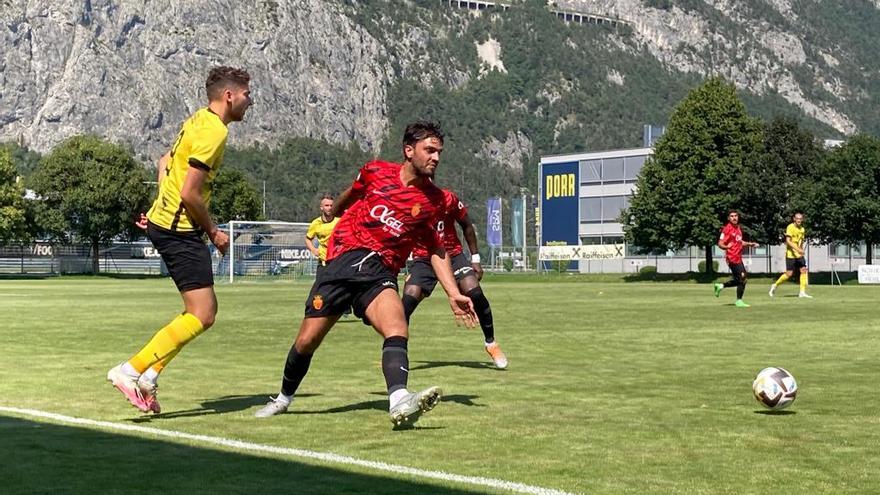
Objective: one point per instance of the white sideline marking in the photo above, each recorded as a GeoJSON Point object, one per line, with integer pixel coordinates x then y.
{"type": "Point", "coordinates": [308, 454]}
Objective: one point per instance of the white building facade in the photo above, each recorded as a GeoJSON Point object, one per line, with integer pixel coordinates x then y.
{"type": "Point", "coordinates": [583, 194]}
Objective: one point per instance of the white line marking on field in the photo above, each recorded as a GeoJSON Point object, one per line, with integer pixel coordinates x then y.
{"type": "Point", "coordinates": [308, 454]}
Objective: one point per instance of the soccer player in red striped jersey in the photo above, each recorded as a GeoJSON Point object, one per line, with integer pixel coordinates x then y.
{"type": "Point", "coordinates": [731, 241]}
{"type": "Point", "coordinates": [387, 208]}
{"type": "Point", "coordinates": [468, 272]}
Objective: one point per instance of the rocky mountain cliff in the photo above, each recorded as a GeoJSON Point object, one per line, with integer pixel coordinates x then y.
{"type": "Point", "coordinates": [133, 70]}
{"type": "Point", "coordinates": [759, 46]}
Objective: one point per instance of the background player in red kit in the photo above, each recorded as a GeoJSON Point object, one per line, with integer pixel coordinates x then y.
{"type": "Point", "coordinates": [731, 241]}
{"type": "Point", "coordinates": [387, 208]}
{"type": "Point", "coordinates": [421, 279]}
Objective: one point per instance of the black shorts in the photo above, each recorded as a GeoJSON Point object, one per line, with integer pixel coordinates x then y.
{"type": "Point", "coordinates": [351, 280]}
{"type": "Point", "coordinates": [186, 256]}
{"type": "Point", "coordinates": [795, 264]}
{"type": "Point", "coordinates": [421, 273]}
{"type": "Point", "coordinates": [738, 270]}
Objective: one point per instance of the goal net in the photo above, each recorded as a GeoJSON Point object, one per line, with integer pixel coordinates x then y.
{"type": "Point", "coordinates": [265, 251]}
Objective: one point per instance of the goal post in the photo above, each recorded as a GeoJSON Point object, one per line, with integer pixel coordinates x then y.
{"type": "Point", "coordinates": [265, 251]}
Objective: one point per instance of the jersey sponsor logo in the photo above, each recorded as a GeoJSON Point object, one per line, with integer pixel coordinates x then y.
{"type": "Point", "coordinates": [318, 302]}
{"type": "Point", "coordinates": [385, 215]}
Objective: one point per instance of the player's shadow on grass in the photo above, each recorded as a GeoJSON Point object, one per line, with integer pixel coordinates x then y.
{"type": "Point", "coordinates": [382, 404]}
{"type": "Point", "coordinates": [775, 413]}
{"type": "Point", "coordinates": [461, 364]}
{"type": "Point", "coordinates": [221, 405]}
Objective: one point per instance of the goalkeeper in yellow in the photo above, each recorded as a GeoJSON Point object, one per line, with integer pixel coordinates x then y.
{"type": "Point", "coordinates": [176, 224]}
{"type": "Point", "coordinates": [795, 234]}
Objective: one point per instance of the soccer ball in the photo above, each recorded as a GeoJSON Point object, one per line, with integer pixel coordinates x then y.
{"type": "Point", "coordinates": [775, 388]}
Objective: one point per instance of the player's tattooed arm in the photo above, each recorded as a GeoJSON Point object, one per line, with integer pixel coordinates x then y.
{"type": "Point", "coordinates": [191, 195]}
{"type": "Point", "coordinates": [342, 202]}
{"type": "Point", "coordinates": [163, 167]}
{"type": "Point", "coordinates": [470, 236]}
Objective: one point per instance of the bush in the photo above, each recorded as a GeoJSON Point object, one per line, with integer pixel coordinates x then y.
{"type": "Point", "coordinates": [701, 266]}
{"type": "Point", "coordinates": [648, 270]}
{"type": "Point", "coordinates": [507, 263]}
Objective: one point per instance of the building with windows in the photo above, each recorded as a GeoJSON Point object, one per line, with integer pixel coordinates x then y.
{"type": "Point", "coordinates": [583, 194]}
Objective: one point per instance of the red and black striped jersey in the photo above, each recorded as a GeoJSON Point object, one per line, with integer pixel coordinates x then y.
{"type": "Point", "coordinates": [453, 211]}
{"type": "Point", "coordinates": [387, 217]}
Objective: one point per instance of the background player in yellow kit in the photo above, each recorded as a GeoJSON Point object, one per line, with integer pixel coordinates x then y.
{"type": "Point", "coordinates": [795, 234]}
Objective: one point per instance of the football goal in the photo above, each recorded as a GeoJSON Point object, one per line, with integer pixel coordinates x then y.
{"type": "Point", "coordinates": [265, 250]}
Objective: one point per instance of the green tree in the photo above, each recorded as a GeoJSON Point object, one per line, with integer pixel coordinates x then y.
{"type": "Point", "coordinates": [91, 191]}
{"type": "Point", "coordinates": [298, 172]}
{"type": "Point", "coordinates": [844, 197]}
{"type": "Point", "coordinates": [685, 188]}
{"type": "Point", "coordinates": [235, 198]}
{"type": "Point", "coordinates": [12, 206]}
{"type": "Point", "coordinates": [770, 184]}
{"type": "Point", "coordinates": [25, 160]}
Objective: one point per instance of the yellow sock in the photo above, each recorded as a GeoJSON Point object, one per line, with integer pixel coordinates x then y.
{"type": "Point", "coordinates": [168, 340]}
{"type": "Point", "coordinates": [804, 282]}
{"type": "Point", "coordinates": [159, 365]}
{"type": "Point", "coordinates": [782, 278]}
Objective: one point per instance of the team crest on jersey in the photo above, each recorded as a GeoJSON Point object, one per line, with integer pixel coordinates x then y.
{"type": "Point", "coordinates": [416, 210]}
{"type": "Point", "coordinates": [318, 302]}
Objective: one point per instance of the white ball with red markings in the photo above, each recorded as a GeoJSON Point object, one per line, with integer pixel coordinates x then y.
{"type": "Point", "coordinates": [775, 388]}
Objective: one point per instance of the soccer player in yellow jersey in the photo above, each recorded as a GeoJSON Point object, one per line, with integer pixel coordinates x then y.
{"type": "Point", "coordinates": [794, 255]}
{"type": "Point", "coordinates": [176, 224]}
{"type": "Point", "coordinates": [321, 228]}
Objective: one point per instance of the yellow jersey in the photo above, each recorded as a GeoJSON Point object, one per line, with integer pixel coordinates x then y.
{"type": "Point", "coordinates": [200, 144]}
{"type": "Point", "coordinates": [797, 235]}
{"type": "Point", "coordinates": [322, 230]}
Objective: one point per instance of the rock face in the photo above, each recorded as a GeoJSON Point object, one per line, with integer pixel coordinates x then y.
{"type": "Point", "coordinates": [758, 57]}
{"type": "Point", "coordinates": [132, 71]}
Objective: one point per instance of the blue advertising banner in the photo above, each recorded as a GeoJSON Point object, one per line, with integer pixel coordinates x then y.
{"type": "Point", "coordinates": [493, 222]}
{"type": "Point", "coordinates": [560, 192]}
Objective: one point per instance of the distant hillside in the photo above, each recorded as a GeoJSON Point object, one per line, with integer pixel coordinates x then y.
{"type": "Point", "coordinates": [339, 79]}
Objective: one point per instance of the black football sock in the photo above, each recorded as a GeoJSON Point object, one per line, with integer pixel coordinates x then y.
{"type": "Point", "coordinates": [395, 363]}
{"type": "Point", "coordinates": [295, 370]}
{"type": "Point", "coordinates": [731, 283]}
{"type": "Point", "coordinates": [740, 290]}
{"type": "Point", "coordinates": [484, 312]}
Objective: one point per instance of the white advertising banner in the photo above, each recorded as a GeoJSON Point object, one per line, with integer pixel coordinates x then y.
{"type": "Point", "coordinates": [581, 253]}
{"type": "Point", "coordinates": [869, 274]}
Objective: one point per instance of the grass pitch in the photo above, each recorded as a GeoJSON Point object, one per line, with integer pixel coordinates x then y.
{"type": "Point", "coordinates": [612, 388]}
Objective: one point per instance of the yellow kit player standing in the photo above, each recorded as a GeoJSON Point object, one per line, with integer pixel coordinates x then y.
{"type": "Point", "coordinates": [321, 228]}
{"type": "Point", "coordinates": [176, 224]}
{"type": "Point", "coordinates": [795, 234]}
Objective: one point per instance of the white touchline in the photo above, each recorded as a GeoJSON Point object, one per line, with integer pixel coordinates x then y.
{"type": "Point", "coordinates": [308, 454]}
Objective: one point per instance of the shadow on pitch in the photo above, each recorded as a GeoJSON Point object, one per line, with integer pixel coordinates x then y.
{"type": "Point", "coordinates": [222, 405]}
{"type": "Point", "coordinates": [51, 458]}
{"type": "Point", "coordinates": [461, 364]}
{"type": "Point", "coordinates": [382, 404]}
{"type": "Point", "coordinates": [775, 413]}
